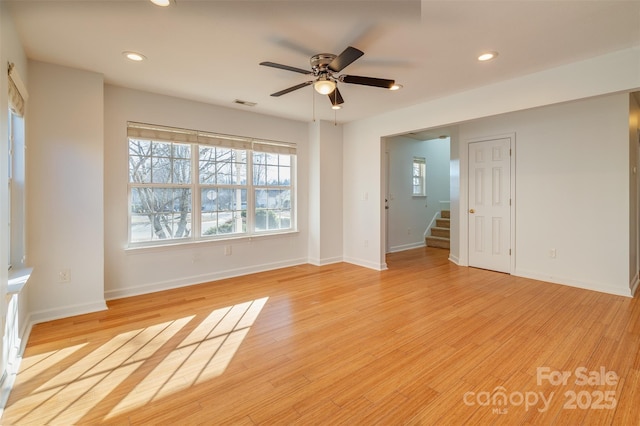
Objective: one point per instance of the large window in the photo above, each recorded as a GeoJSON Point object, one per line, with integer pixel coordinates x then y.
{"type": "Point", "coordinates": [187, 185]}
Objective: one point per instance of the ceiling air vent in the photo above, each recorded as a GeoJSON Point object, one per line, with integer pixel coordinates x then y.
{"type": "Point", "coordinates": [245, 103]}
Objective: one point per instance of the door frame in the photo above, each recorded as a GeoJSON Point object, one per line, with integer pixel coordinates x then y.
{"type": "Point", "coordinates": [464, 197]}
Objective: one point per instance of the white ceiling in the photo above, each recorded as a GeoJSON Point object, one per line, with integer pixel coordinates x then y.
{"type": "Point", "coordinates": [209, 51]}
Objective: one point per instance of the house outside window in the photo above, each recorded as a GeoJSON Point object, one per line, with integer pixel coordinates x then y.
{"type": "Point", "coordinates": [418, 177]}
{"type": "Point", "coordinates": [186, 185]}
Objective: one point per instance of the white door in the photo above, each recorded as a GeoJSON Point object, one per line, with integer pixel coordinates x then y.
{"type": "Point", "coordinates": [489, 204]}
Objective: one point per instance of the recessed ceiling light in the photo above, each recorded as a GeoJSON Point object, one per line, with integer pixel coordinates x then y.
{"type": "Point", "coordinates": [396, 86]}
{"type": "Point", "coordinates": [162, 3]}
{"type": "Point", "coordinates": [134, 56]}
{"type": "Point", "coordinates": [487, 56]}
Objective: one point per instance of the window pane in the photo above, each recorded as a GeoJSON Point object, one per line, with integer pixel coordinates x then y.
{"type": "Point", "coordinates": [284, 176]}
{"type": "Point", "coordinates": [161, 170]}
{"type": "Point", "coordinates": [160, 213]}
{"type": "Point", "coordinates": [271, 169]}
{"type": "Point", "coordinates": [182, 171]}
{"type": "Point", "coordinates": [141, 199]}
{"type": "Point", "coordinates": [140, 148]}
{"type": "Point", "coordinates": [140, 228]}
{"type": "Point", "coordinates": [259, 174]}
{"type": "Point", "coordinates": [207, 172]}
{"type": "Point", "coordinates": [139, 169]}
{"type": "Point", "coordinates": [273, 210]}
{"type": "Point", "coordinates": [224, 211]}
{"type": "Point", "coordinates": [273, 159]}
{"type": "Point", "coordinates": [222, 166]}
{"type": "Point", "coordinates": [161, 149]}
{"type": "Point", "coordinates": [224, 173]}
{"type": "Point", "coordinates": [181, 150]}
{"type": "Point", "coordinates": [285, 160]}
{"type": "Point", "coordinates": [139, 161]}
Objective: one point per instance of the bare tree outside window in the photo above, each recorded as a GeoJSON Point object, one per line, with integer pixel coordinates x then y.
{"type": "Point", "coordinates": [161, 207]}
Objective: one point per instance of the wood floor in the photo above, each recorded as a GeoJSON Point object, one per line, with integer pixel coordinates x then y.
{"type": "Point", "coordinates": [425, 342]}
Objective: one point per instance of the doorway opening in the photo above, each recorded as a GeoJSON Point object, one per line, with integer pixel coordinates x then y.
{"type": "Point", "coordinates": [416, 193]}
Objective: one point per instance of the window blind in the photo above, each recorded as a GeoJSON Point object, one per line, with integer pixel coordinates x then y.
{"type": "Point", "coordinates": [17, 91]}
{"type": "Point", "coordinates": [173, 134]}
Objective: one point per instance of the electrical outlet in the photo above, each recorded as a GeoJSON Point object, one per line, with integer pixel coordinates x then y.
{"type": "Point", "coordinates": [64, 276]}
{"type": "Point", "coordinates": [227, 250]}
{"type": "Point", "coordinates": [552, 253]}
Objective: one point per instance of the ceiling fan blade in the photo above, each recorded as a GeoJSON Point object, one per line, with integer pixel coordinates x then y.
{"type": "Point", "coordinates": [285, 67]}
{"type": "Point", "coordinates": [367, 81]}
{"type": "Point", "coordinates": [335, 97]}
{"type": "Point", "coordinates": [291, 89]}
{"type": "Point", "coordinates": [344, 59]}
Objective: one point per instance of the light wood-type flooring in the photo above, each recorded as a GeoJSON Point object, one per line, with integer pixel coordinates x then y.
{"type": "Point", "coordinates": [425, 342]}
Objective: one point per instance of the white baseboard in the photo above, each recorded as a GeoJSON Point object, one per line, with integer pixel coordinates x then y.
{"type": "Point", "coordinates": [198, 279]}
{"type": "Point", "coordinates": [574, 283]}
{"type": "Point", "coordinates": [366, 264]}
{"type": "Point", "coordinates": [454, 259]}
{"type": "Point", "coordinates": [66, 311]}
{"type": "Point", "coordinates": [635, 282]}
{"type": "Point", "coordinates": [327, 261]}
{"type": "Point", "coordinates": [403, 247]}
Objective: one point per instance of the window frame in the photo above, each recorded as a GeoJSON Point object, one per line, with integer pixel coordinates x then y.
{"type": "Point", "coordinates": [10, 172]}
{"type": "Point", "coordinates": [198, 139]}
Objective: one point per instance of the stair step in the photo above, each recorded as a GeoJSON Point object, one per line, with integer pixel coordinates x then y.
{"type": "Point", "coordinates": [441, 232]}
{"type": "Point", "coordinates": [443, 223]}
{"type": "Point", "coordinates": [438, 242]}
{"type": "Point", "coordinates": [446, 214]}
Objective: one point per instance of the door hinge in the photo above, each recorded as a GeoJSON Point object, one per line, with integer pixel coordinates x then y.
{"type": "Point", "coordinates": [509, 252]}
{"type": "Point", "coordinates": [509, 152]}
{"type": "Point", "coordinates": [509, 201]}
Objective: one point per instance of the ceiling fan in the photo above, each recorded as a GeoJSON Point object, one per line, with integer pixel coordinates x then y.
{"type": "Point", "coordinates": [323, 67]}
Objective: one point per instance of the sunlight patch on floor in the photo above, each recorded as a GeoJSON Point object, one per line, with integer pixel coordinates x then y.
{"type": "Point", "coordinates": [203, 355]}
{"type": "Point", "coordinates": [131, 369]}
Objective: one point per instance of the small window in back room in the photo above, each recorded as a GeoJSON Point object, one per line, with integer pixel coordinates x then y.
{"type": "Point", "coordinates": [419, 184]}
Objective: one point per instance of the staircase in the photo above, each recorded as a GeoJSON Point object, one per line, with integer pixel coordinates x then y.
{"type": "Point", "coordinates": [440, 233]}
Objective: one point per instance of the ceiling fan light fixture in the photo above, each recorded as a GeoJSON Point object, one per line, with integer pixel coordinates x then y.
{"type": "Point", "coordinates": [162, 3]}
{"type": "Point", "coordinates": [336, 107]}
{"type": "Point", "coordinates": [324, 86]}
{"type": "Point", "coordinates": [396, 86]}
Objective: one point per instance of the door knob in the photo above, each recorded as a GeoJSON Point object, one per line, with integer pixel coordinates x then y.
{"type": "Point", "coordinates": [472, 211]}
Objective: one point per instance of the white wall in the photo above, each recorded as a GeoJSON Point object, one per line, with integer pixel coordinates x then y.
{"type": "Point", "coordinates": [364, 229]}
{"type": "Point", "coordinates": [129, 272]}
{"type": "Point", "coordinates": [572, 190]}
{"type": "Point", "coordinates": [65, 219]}
{"type": "Point", "coordinates": [410, 216]}
{"type": "Point", "coordinates": [326, 171]}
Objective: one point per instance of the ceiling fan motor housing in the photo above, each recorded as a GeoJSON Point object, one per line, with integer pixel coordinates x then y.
{"type": "Point", "coordinates": [320, 63]}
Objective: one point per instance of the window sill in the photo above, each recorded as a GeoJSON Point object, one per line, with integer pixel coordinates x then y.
{"type": "Point", "coordinates": [218, 241]}
{"type": "Point", "coordinates": [18, 279]}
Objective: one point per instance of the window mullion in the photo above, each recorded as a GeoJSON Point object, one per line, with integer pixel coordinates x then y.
{"type": "Point", "coordinates": [251, 195]}
{"type": "Point", "coordinates": [196, 199]}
